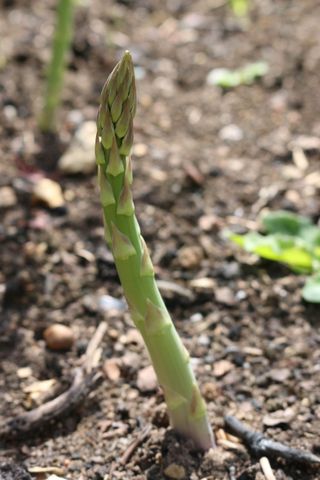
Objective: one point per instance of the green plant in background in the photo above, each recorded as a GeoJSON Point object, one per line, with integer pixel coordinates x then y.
{"type": "Point", "coordinates": [240, 7]}
{"type": "Point", "coordinates": [290, 239]}
{"type": "Point", "coordinates": [226, 78]}
{"type": "Point", "coordinates": [60, 48]}
{"type": "Point", "coordinates": [187, 410]}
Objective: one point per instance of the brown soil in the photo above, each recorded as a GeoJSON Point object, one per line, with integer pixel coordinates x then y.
{"type": "Point", "coordinates": [255, 344]}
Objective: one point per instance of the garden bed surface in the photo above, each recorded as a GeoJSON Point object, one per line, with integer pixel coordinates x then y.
{"type": "Point", "coordinates": [204, 161]}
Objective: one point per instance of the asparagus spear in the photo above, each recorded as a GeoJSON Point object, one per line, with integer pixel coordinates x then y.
{"type": "Point", "coordinates": [61, 44]}
{"type": "Point", "coordinates": [187, 410]}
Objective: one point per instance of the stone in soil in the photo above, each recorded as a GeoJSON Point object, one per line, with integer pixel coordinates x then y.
{"type": "Point", "coordinates": [79, 157]}
{"type": "Point", "coordinates": [147, 380]}
{"type": "Point", "coordinates": [58, 337]}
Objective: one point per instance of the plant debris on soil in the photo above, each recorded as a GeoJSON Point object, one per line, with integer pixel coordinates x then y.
{"type": "Point", "coordinates": [204, 160]}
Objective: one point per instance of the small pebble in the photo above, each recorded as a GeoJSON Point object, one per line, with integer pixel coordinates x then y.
{"type": "Point", "coordinates": [58, 337]}
{"type": "Point", "coordinates": [204, 283]}
{"type": "Point", "coordinates": [230, 270]}
{"type": "Point", "coordinates": [140, 150]}
{"type": "Point", "coordinates": [211, 391]}
{"type": "Point", "coordinates": [231, 133]}
{"type": "Point", "coordinates": [106, 303]}
{"type": "Point", "coordinates": [147, 380]}
{"type": "Point", "coordinates": [111, 369]}
{"type": "Point", "coordinates": [79, 157]}
{"type": "Point", "coordinates": [131, 360]}
{"type": "Point", "coordinates": [279, 374]}
{"type": "Point", "coordinates": [24, 372]}
{"type": "Point", "coordinates": [306, 142]}
{"type": "Point", "coordinates": [139, 72]}
{"type": "Point", "coordinates": [204, 340]}
{"type": "Point", "coordinates": [209, 223]}
{"type": "Point", "coordinates": [190, 257]}
{"type": "Point", "coordinates": [132, 336]}
{"type": "Point", "coordinates": [196, 317]}
{"type": "Point", "coordinates": [7, 197]}
{"type": "Point", "coordinates": [48, 192]}
{"type": "Point", "coordinates": [225, 296]}
{"type": "Point", "coordinates": [279, 417]}
{"type": "Point", "coordinates": [222, 367]}
{"type": "Point", "coordinates": [175, 471]}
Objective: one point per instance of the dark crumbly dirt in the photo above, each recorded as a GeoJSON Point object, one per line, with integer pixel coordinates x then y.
{"type": "Point", "coordinates": [255, 344]}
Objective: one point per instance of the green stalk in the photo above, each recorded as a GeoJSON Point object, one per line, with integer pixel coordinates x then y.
{"type": "Point", "coordinates": [187, 410]}
{"type": "Point", "coordinates": [60, 48]}
{"type": "Point", "coordinates": [240, 7]}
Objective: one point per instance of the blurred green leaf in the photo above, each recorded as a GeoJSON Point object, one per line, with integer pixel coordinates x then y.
{"type": "Point", "coordinates": [252, 71]}
{"type": "Point", "coordinates": [277, 247]}
{"type": "Point", "coordinates": [293, 240]}
{"type": "Point", "coordinates": [285, 222]}
{"type": "Point", "coordinates": [311, 235]}
{"type": "Point", "coordinates": [238, 239]}
{"type": "Point", "coordinates": [311, 290]}
{"type": "Point", "coordinates": [225, 78]}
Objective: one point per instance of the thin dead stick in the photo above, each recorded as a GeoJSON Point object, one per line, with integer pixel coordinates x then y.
{"type": "Point", "coordinates": [135, 444]}
{"type": "Point", "coordinates": [90, 360]}
{"type": "Point", "coordinates": [84, 381]}
{"type": "Point", "coordinates": [261, 446]}
{"type": "Point", "coordinates": [266, 468]}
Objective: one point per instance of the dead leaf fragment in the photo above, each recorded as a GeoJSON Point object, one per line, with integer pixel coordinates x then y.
{"type": "Point", "coordinates": [225, 296]}
{"type": "Point", "coordinates": [228, 445]}
{"type": "Point", "coordinates": [253, 351]}
{"type": "Point", "coordinates": [221, 435]}
{"type": "Point", "coordinates": [204, 283]}
{"type": "Point", "coordinates": [7, 197]}
{"type": "Point", "coordinates": [291, 172]}
{"type": "Point", "coordinates": [194, 174]}
{"type": "Point", "coordinates": [48, 192]}
{"type": "Point", "coordinates": [280, 417]}
{"type": "Point", "coordinates": [222, 367]}
{"type": "Point", "coordinates": [305, 142]}
{"type": "Point", "coordinates": [24, 372]}
{"type": "Point", "coordinates": [111, 369]}
{"type": "Point", "coordinates": [40, 386]}
{"type": "Point", "coordinates": [40, 470]}
{"type": "Point", "coordinates": [211, 391]}
{"type": "Point", "coordinates": [299, 159]}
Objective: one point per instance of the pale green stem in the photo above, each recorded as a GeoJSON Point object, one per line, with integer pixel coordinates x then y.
{"type": "Point", "coordinates": [60, 48]}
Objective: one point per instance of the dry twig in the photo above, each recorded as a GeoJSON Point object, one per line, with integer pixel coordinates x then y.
{"type": "Point", "coordinates": [261, 446]}
{"type": "Point", "coordinates": [84, 381]}
{"type": "Point", "coordinates": [135, 444]}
